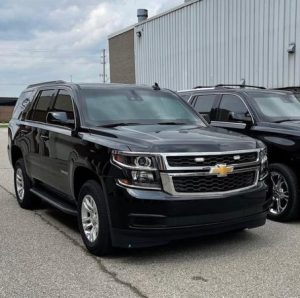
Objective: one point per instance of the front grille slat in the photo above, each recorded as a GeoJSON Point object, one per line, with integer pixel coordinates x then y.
{"type": "Point", "coordinates": [210, 183]}
{"type": "Point", "coordinates": [211, 160]}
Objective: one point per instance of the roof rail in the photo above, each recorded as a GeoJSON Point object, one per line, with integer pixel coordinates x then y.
{"type": "Point", "coordinates": [46, 83]}
{"type": "Point", "coordinates": [199, 87]}
{"type": "Point", "coordinates": [239, 85]}
{"type": "Point", "coordinates": [288, 88]}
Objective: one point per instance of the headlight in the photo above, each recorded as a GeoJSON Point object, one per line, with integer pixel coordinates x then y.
{"type": "Point", "coordinates": [140, 170]}
{"type": "Point", "coordinates": [129, 161]}
{"type": "Point", "coordinates": [143, 161]}
{"type": "Point", "coordinates": [263, 164]}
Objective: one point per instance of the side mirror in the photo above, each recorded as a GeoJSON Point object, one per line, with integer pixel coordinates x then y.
{"type": "Point", "coordinates": [206, 118]}
{"type": "Point", "coordinates": [240, 117]}
{"type": "Point", "coordinates": [60, 118]}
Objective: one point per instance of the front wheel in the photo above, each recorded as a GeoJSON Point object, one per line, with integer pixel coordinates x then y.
{"type": "Point", "coordinates": [285, 193]}
{"type": "Point", "coordinates": [93, 218]}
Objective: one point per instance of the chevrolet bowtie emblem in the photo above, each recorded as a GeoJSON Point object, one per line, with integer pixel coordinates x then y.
{"type": "Point", "coordinates": [221, 170]}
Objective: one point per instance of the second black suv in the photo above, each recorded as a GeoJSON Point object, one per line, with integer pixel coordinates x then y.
{"type": "Point", "coordinates": [136, 165]}
{"type": "Point", "coordinates": [268, 115]}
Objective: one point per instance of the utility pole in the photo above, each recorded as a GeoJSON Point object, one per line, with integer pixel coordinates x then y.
{"type": "Point", "coordinates": [103, 62]}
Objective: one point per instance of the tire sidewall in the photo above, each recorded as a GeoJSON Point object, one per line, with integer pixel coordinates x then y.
{"type": "Point", "coordinates": [292, 207]}
{"type": "Point", "coordinates": [27, 199]}
{"type": "Point", "coordinates": [102, 244]}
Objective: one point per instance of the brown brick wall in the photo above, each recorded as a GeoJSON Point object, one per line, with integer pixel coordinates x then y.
{"type": "Point", "coordinates": [6, 113]}
{"type": "Point", "coordinates": [121, 58]}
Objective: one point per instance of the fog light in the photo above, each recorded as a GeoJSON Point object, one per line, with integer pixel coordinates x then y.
{"type": "Point", "coordinates": [142, 176]}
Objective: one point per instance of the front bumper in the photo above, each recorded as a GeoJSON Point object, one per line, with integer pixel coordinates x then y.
{"type": "Point", "coordinates": [137, 238]}
{"type": "Point", "coordinates": [145, 218]}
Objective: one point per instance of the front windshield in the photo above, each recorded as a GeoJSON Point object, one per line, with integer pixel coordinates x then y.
{"type": "Point", "coordinates": [138, 106]}
{"type": "Point", "coordinates": [277, 107]}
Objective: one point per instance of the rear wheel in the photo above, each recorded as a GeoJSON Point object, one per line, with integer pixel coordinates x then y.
{"type": "Point", "coordinates": [22, 187]}
{"type": "Point", "coordinates": [285, 196]}
{"type": "Point", "coordinates": [93, 218]}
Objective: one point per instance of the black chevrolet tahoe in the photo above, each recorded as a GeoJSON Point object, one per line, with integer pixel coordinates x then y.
{"type": "Point", "coordinates": [272, 116]}
{"type": "Point", "coordinates": [136, 165]}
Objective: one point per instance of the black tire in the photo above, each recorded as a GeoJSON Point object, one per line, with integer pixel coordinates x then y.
{"type": "Point", "coordinates": [102, 244]}
{"type": "Point", "coordinates": [28, 200]}
{"type": "Point", "coordinates": [291, 210]}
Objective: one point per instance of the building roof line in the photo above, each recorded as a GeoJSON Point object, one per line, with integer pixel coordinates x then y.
{"type": "Point", "coordinates": [126, 29]}
{"type": "Point", "coordinates": [190, 2]}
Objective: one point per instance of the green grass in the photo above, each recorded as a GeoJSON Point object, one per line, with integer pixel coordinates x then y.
{"type": "Point", "coordinates": [3, 125]}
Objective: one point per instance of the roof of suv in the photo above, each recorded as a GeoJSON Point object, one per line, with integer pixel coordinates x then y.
{"type": "Point", "coordinates": [92, 85]}
{"type": "Point", "coordinates": [232, 88]}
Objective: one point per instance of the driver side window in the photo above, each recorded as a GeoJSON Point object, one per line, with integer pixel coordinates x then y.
{"type": "Point", "coordinates": [63, 103]}
{"type": "Point", "coordinates": [231, 104]}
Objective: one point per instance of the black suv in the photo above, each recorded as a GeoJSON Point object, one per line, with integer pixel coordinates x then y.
{"type": "Point", "coordinates": [271, 116]}
{"type": "Point", "coordinates": [294, 90]}
{"type": "Point", "coordinates": [137, 165]}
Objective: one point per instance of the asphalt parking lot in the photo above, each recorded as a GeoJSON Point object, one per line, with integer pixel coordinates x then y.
{"type": "Point", "coordinates": [41, 255]}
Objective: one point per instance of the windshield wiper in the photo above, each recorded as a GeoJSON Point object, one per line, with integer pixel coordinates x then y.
{"type": "Point", "coordinates": [171, 123]}
{"type": "Point", "coordinates": [119, 124]}
{"type": "Point", "coordinates": [286, 120]}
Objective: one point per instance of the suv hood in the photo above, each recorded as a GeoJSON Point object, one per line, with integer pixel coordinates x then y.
{"type": "Point", "coordinates": [286, 127]}
{"type": "Point", "coordinates": [170, 138]}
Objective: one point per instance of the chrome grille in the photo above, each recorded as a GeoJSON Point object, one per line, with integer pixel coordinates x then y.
{"type": "Point", "coordinates": [209, 184]}
{"type": "Point", "coordinates": [211, 160]}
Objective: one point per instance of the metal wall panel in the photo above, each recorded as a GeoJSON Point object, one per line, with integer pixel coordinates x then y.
{"type": "Point", "coordinates": [221, 41]}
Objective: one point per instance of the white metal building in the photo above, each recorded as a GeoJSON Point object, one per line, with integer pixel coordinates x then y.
{"type": "Point", "coordinates": [206, 42]}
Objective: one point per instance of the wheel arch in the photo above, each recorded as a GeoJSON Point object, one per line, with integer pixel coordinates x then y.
{"type": "Point", "coordinates": [80, 176]}
{"type": "Point", "coordinates": [16, 153]}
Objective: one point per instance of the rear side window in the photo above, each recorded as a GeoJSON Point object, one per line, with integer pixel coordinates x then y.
{"type": "Point", "coordinates": [231, 103]}
{"type": "Point", "coordinates": [63, 103]}
{"type": "Point", "coordinates": [204, 103]}
{"type": "Point", "coordinates": [22, 104]}
{"type": "Point", "coordinates": [42, 106]}
{"type": "Point", "coordinates": [185, 96]}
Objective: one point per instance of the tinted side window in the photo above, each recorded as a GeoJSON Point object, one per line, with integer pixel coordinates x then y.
{"type": "Point", "coordinates": [22, 104]}
{"type": "Point", "coordinates": [185, 96]}
{"type": "Point", "coordinates": [204, 104]}
{"type": "Point", "coordinates": [42, 106]}
{"type": "Point", "coordinates": [231, 103]}
{"type": "Point", "coordinates": [63, 103]}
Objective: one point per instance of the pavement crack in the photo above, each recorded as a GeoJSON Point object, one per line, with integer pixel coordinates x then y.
{"type": "Point", "coordinates": [5, 189]}
{"type": "Point", "coordinates": [199, 278]}
{"type": "Point", "coordinates": [101, 265]}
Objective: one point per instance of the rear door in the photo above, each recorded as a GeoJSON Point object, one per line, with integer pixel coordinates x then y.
{"type": "Point", "coordinates": [38, 157]}
{"type": "Point", "coordinates": [205, 105]}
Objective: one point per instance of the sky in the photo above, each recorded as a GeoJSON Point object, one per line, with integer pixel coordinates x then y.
{"type": "Point", "coordinates": [44, 40]}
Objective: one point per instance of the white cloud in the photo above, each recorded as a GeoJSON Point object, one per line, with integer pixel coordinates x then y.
{"type": "Point", "coordinates": [48, 40]}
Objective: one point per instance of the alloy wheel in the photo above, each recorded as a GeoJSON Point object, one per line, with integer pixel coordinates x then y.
{"type": "Point", "coordinates": [280, 193]}
{"type": "Point", "coordinates": [90, 218]}
{"type": "Point", "coordinates": [20, 184]}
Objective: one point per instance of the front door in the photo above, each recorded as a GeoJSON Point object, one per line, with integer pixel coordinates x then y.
{"type": "Point", "coordinates": [232, 113]}
{"type": "Point", "coordinates": [62, 143]}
